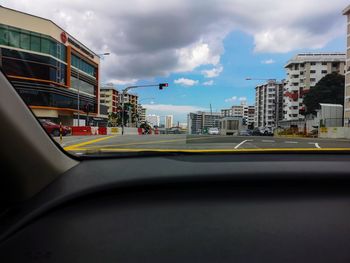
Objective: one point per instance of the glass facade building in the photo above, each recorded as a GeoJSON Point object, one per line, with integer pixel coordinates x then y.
{"type": "Point", "coordinates": [48, 68]}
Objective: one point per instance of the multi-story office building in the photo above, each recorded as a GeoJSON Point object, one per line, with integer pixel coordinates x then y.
{"type": "Point", "coordinates": [200, 121]}
{"type": "Point", "coordinates": [303, 72]}
{"type": "Point", "coordinates": [110, 98]}
{"type": "Point", "coordinates": [169, 121]}
{"type": "Point", "coordinates": [268, 104]}
{"type": "Point", "coordinates": [347, 76]}
{"type": "Point", "coordinates": [153, 120]}
{"type": "Point", "coordinates": [50, 69]}
{"type": "Point", "coordinates": [243, 110]}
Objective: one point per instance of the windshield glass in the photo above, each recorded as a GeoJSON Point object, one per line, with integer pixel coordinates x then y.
{"type": "Point", "coordinates": [198, 76]}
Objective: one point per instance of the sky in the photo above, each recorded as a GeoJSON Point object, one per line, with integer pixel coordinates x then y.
{"type": "Point", "coordinates": [205, 50]}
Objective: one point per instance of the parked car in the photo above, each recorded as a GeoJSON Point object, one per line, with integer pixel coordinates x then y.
{"type": "Point", "coordinates": [262, 132]}
{"type": "Point", "coordinates": [213, 131]}
{"type": "Point", "coordinates": [54, 128]}
{"type": "Point", "coordinates": [245, 133]}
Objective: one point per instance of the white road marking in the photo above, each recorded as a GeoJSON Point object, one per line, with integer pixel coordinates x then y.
{"type": "Point", "coordinates": [291, 142]}
{"type": "Point", "coordinates": [239, 145]}
{"type": "Point", "coordinates": [268, 141]}
{"type": "Point", "coordinates": [317, 146]}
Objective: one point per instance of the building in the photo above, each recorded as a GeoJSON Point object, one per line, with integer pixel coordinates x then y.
{"type": "Point", "coordinates": [169, 119]}
{"type": "Point", "coordinates": [303, 72]}
{"type": "Point", "coordinates": [132, 100]}
{"type": "Point", "coordinates": [50, 69]}
{"type": "Point", "coordinates": [109, 97]}
{"type": "Point", "coordinates": [346, 12]}
{"type": "Point", "coordinates": [231, 125]}
{"type": "Point", "coordinates": [200, 121]}
{"type": "Point", "coordinates": [243, 110]}
{"type": "Point", "coordinates": [269, 104]}
{"type": "Point", "coordinates": [153, 120]}
{"type": "Point", "coordinates": [141, 112]}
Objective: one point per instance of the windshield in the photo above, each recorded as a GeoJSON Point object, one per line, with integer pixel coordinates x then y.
{"type": "Point", "coordinates": [197, 76]}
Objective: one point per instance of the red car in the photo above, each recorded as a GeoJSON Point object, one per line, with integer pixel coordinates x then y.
{"type": "Point", "coordinates": [54, 128]}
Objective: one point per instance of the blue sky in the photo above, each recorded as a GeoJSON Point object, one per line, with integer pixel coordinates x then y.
{"type": "Point", "coordinates": [239, 61]}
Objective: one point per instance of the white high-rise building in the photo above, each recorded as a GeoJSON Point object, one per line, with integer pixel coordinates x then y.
{"type": "Point", "coordinates": [153, 120]}
{"type": "Point", "coordinates": [303, 72]}
{"type": "Point", "coordinates": [268, 104]}
{"type": "Point", "coordinates": [169, 120]}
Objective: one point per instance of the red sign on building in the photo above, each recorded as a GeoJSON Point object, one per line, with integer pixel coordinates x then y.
{"type": "Point", "coordinates": [64, 37]}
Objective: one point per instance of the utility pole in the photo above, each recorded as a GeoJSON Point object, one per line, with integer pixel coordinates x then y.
{"type": "Point", "coordinates": [211, 116]}
{"type": "Point", "coordinates": [78, 93]}
{"type": "Point", "coordinates": [161, 86]}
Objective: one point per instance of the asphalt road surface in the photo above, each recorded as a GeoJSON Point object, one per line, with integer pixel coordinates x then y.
{"type": "Point", "coordinates": [182, 142]}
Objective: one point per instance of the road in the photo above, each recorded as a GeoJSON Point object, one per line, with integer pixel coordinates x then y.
{"type": "Point", "coordinates": [181, 142]}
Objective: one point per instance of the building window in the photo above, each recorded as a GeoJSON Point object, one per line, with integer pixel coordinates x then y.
{"type": "Point", "coordinates": [324, 71]}
{"type": "Point", "coordinates": [324, 63]}
{"type": "Point", "coordinates": [45, 46]}
{"type": "Point", "coordinates": [4, 37]}
{"type": "Point", "coordinates": [25, 41]}
{"type": "Point", "coordinates": [312, 79]}
{"type": "Point", "coordinates": [312, 71]}
{"type": "Point", "coordinates": [83, 66]}
{"type": "Point", "coordinates": [35, 43]}
{"type": "Point", "coordinates": [14, 37]}
{"type": "Point", "coordinates": [313, 63]}
{"type": "Point", "coordinates": [82, 86]}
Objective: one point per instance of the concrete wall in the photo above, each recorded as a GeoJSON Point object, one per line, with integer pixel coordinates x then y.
{"type": "Point", "coordinates": [335, 133]}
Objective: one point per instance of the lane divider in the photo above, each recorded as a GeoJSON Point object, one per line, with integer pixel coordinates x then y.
{"type": "Point", "coordinates": [75, 146]}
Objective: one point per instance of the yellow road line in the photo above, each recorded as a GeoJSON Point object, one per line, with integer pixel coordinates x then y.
{"type": "Point", "coordinates": [150, 142]}
{"type": "Point", "coordinates": [217, 150]}
{"type": "Point", "coordinates": [75, 146]}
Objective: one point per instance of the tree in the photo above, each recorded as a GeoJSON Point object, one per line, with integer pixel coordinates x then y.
{"type": "Point", "coordinates": [330, 89]}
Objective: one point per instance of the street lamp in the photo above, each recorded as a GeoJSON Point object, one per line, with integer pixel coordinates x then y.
{"type": "Point", "coordinates": [260, 79]}
{"type": "Point", "coordinates": [103, 54]}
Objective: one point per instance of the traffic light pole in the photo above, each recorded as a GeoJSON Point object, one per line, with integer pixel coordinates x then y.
{"type": "Point", "coordinates": [161, 85]}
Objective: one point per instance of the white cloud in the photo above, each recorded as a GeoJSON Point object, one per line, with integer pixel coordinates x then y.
{"type": "Point", "coordinates": [154, 38]}
{"type": "Point", "coordinates": [268, 61]}
{"type": "Point", "coordinates": [242, 99]}
{"type": "Point", "coordinates": [232, 99]}
{"type": "Point", "coordinates": [213, 73]}
{"type": "Point", "coordinates": [122, 82]}
{"type": "Point", "coordinates": [208, 83]}
{"type": "Point", "coordinates": [186, 82]}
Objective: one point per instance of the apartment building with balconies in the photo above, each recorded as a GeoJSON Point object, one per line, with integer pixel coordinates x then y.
{"type": "Point", "coordinates": [303, 73]}
{"type": "Point", "coordinates": [110, 98]}
{"type": "Point", "coordinates": [268, 104]}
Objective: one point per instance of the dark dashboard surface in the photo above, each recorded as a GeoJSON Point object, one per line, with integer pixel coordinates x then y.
{"type": "Point", "coordinates": [244, 208]}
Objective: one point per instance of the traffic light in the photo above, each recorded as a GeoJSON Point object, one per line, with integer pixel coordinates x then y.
{"type": "Point", "coordinates": [162, 85]}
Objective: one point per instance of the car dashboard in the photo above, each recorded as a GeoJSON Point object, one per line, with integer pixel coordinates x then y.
{"type": "Point", "coordinates": [187, 208]}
